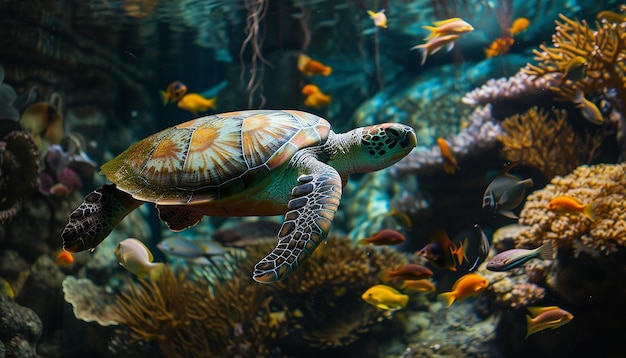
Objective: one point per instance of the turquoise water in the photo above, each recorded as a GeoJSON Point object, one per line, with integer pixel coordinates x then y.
{"type": "Point", "coordinates": [515, 110]}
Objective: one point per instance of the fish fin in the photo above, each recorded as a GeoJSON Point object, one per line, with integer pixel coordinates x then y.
{"type": "Point", "coordinates": [529, 326]}
{"type": "Point", "coordinates": [590, 210]}
{"type": "Point", "coordinates": [508, 213]}
{"type": "Point", "coordinates": [404, 300]}
{"type": "Point", "coordinates": [447, 21]}
{"type": "Point", "coordinates": [545, 251]}
{"type": "Point", "coordinates": [155, 271]}
{"type": "Point", "coordinates": [475, 265]}
{"type": "Point", "coordinates": [327, 71]}
{"type": "Point", "coordinates": [371, 13]}
{"type": "Point", "coordinates": [423, 52]}
{"type": "Point", "coordinates": [433, 32]}
{"type": "Point", "coordinates": [536, 310]}
{"type": "Point", "coordinates": [166, 98]}
{"type": "Point", "coordinates": [450, 46]}
{"type": "Point", "coordinates": [448, 297]}
{"type": "Point", "coordinates": [527, 182]}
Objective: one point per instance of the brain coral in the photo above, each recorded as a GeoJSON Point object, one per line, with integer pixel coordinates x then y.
{"type": "Point", "coordinates": [604, 184]}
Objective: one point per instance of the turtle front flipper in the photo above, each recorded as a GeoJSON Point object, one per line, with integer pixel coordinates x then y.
{"type": "Point", "coordinates": [311, 211]}
{"type": "Point", "coordinates": [96, 217]}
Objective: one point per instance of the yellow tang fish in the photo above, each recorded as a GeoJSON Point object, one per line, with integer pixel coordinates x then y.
{"type": "Point", "coordinates": [520, 24]}
{"type": "Point", "coordinates": [195, 103]}
{"type": "Point", "coordinates": [385, 298]}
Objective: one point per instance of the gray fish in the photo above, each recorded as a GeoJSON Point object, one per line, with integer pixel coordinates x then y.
{"type": "Point", "coordinates": [483, 249]}
{"type": "Point", "coordinates": [510, 259]}
{"type": "Point", "coordinates": [505, 192]}
{"type": "Point", "coordinates": [191, 251]}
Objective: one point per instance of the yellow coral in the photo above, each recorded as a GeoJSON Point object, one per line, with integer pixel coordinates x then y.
{"type": "Point", "coordinates": [602, 183]}
{"type": "Point", "coordinates": [604, 49]}
{"type": "Point", "coordinates": [548, 144]}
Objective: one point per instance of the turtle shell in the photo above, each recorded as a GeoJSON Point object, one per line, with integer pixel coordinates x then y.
{"type": "Point", "coordinates": [213, 157]}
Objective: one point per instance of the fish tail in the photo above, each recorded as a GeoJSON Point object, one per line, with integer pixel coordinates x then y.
{"type": "Point", "coordinates": [156, 271]}
{"type": "Point", "coordinates": [528, 182]}
{"type": "Point", "coordinates": [213, 104]}
{"type": "Point", "coordinates": [590, 210]}
{"type": "Point", "coordinates": [545, 251]}
{"type": "Point", "coordinates": [404, 300]}
{"type": "Point", "coordinates": [423, 51]}
{"type": "Point", "coordinates": [371, 13]}
{"type": "Point", "coordinates": [529, 326]}
{"type": "Point", "coordinates": [166, 98]}
{"type": "Point", "coordinates": [448, 297]}
{"type": "Point", "coordinates": [327, 71]}
{"type": "Point", "coordinates": [433, 32]}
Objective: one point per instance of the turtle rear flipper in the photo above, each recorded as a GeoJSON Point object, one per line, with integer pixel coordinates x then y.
{"type": "Point", "coordinates": [311, 212]}
{"type": "Point", "coordinates": [96, 217]}
{"type": "Point", "coordinates": [178, 218]}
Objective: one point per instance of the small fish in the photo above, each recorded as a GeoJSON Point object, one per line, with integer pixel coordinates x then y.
{"type": "Point", "coordinates": [541, 318]}
{"type": "Point", "coordinates": [483, 249]}
{"type": "Point", "coordinates": [519, 25]}
{"type": "Point", "coordinates": [6, 289]}
{"type": "Point", "coordinates": [418, 286]}
{"type": "Point", "coordinates": [453, 26]}
{"type": "Point", "coordinates": [567, 205]}
{"type": "Point", "coordinates": [510, 259]}
{"type": "Point", "coordinates": [384, 237]}
{"type": "Point", "coordinates": [449, 161]}
{"type": "Point", "coordinates": [588, 109]}
{"type": "Point", "coordinates": [467, 286]}
{"type": "Point", "coordinates": [505, 192]}
{"type": "Point", "coordinates": [315, 98]}
{"type": "Point", "coordinates": [499, 46]}
{"type": "Point", "coordinates": [380, 19]}
{"type": "Point", "coordinates": [408, 272]}
{"type": "Point", "coordinates": [435, 44]}
{"type": "Point", "coordinates": [174, 92]}
{"type": "Point", "coordinates": [196, 103]}
{"type": "Point", "coordinates": [135, 257]}
{"type": "Point", "coordinates": [575, 70]}
{"type": "Point", "coordinates": [611, 16]}
{"type": "Point", "coordinates": [311, 67]}
{"type": "Point", "coordinates": [443, 253]}
{"type": "Point", "coordinates": [385, 298]}
{"type": "Point", "coordinates": [209, 253]}
{"type": "Point", "coordinates": [65, 259]}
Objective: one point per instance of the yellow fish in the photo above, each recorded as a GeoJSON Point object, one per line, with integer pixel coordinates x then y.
{"type": "Point", "coordinates": [174, 92]}
{"type": "Point", "coordinates": [576, 69]}
{"type": "Point", "coordinates": [311, 67]}
{"type": "Point", "coordinates": [385, 298]}
{"type": "Point", "coordinates": [467, 286]}
{"type": "Point", "coordinates": [195, 103]}
{"type": "Point", "coordinates": [567, 205]}
{"type": "Point", "coordinates": [449, 161]}
{"type": "Point", "coordinates": [588, 109]}
{"type": "Point", "coordinates": [546, 317]}
{"type": "Point", "coordinates": [6, 289]}
{"type": "Point", "coordinates": [315, 98]}
{"type": "Point", "coordinates": [453, 26]}
{"type": "Point", "coordinates": [135, 257]}
{"type": "Point", "coordinates": [422, 285]}
{"type": "Point", "coordinates": [519, 25]}
{"type": "Point", "coordinates": [380, 19]}
{"type": "Point", "coordinates": [435, 44]}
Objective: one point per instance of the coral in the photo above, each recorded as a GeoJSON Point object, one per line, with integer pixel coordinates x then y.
{"type": "Point", "coordinates": [604, 184]}
{"type": "Point", "coordinates": [515, 87]}
{"type": "Point", "coordinates": [604, 50]}
{"type": "Point", "coordinates": [546, 142]}
{"type": "Point", "coordinates": [44, 121]}
{"type": "Point", "coordinates": [19, 166]}
{"type": "Point", "coordinates": [20, 329]}
{"type": "Point", "coordinates": [89, 301]}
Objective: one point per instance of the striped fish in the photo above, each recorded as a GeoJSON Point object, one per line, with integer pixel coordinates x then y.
{"type": "Point", "coordinates": [510, 259]}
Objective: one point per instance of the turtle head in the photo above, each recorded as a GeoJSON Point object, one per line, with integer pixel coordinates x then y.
{"type": "Point", "coordinates": [385, 144]}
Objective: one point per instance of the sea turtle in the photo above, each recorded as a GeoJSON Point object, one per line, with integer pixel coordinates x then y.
{"type": "Point", "coordinates": [256, 162]}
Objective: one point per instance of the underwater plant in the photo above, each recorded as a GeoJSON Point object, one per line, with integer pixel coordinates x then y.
{"type": "Point", "coordinates": [547, 141]}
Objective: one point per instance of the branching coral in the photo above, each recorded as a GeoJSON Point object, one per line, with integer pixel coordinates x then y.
{"type": "Point", "coordinates": [603, 49]}
{"type": "Point", "coordinates": [548, 144]}
{"type": "Point", "coordinates": [603, 184]}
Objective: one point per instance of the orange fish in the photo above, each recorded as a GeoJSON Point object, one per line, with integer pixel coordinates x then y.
{"type": "Point", "coordinates": [310, 67]}
{"type": "Point", "coordinates": [196, 103]}
{"type": "Point", "coordinates": [409, 272]}
{"type": "Point", "coordinates": [314, 97]}
{"type": "Point", "coordinates": [449, 161]}
{"type": "Point", "coordinates": [64, 259]}
{"type": "Point", "coordinates": [499, 46]}
{"type": "Point", "coordinates": [443, 253]}
{"type": "Point", "coordinates": [174, 92]}
{"type": "Point", "coordinates": [567, 205]}
{"type": "Point", "coordinates": [384, 237]}
{"type": "Point", "coordinates": [453, 26]}
{"type": "Point", "coordinates": [380, 19]}
{"type": "Point", "coordinates": [467, 286]}
{"type": "Point", "coordinates": [435, 44]}
{"type": "Point", "coordinates": [418, 285]}
{"type": "Point", "coordinates": [519, 25]}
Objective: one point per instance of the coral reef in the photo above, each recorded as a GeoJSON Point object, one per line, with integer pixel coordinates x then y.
{"type": "Point", "coordinates": [547, 142]}
{"type": "Point", "coordinates": [20, 328]}
{"type": "Point", "coordinates": [604, 184]}
{"type": "Point", "coordinates": [89, 301]}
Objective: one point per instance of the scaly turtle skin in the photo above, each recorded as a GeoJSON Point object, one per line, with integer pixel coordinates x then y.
{"type": "Point", "coordinates": [264, 162]}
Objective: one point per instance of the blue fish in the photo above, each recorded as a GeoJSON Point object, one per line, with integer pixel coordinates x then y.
{"type": "Point", "coordinates": [510, 259]}
{"type": "Point", "coordinates": [208, 253]}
